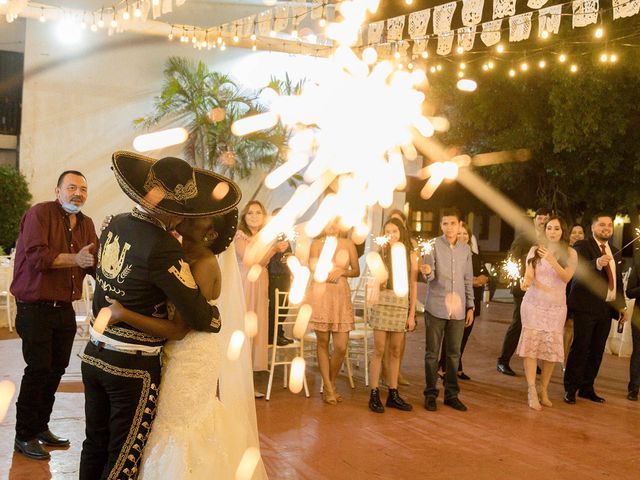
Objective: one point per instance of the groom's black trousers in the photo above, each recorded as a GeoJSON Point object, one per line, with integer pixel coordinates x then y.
{"type": "Point", "coordinates": [121, 392]}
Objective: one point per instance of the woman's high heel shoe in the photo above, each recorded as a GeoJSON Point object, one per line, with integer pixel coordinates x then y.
{"type": "Point", "coordinates": [544, 398]}
{"type": "Point", "coordinates": [337, 395]}
{"type": "Point", "coordinates": [533, 401]}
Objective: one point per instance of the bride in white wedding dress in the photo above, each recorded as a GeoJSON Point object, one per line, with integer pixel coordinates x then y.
{"type": "Point", "coordinates": [205, 417]}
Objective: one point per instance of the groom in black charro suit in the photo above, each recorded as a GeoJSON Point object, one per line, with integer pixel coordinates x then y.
{"type": "Point", "coordinates": [596, 296]}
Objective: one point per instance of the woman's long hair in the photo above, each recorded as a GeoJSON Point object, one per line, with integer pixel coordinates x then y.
{"type": "Point", "coordinates": [385, 251]}
{"type": "Point", "coordinates": [563, 254]}
{"type": "Point", "coordinates": [242, 224]}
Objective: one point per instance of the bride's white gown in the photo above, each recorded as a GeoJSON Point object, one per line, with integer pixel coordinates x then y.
{"type": "Point", "coordinates": [196, 435]}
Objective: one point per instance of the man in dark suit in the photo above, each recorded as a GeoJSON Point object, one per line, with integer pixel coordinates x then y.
{"type": "Point", "coordinates": [595, 298]}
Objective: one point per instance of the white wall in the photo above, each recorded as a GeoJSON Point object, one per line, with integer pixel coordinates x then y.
{"type": "Point", "coordinates": [79, 105]}
{"type": "Point", "coordinates": [12, 35]}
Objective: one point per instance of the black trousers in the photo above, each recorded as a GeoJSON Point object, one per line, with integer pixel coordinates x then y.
{"type": "Point", "coordinates": [634, 365]}
{"type": "Point", "coordinates": [437, 330]}
{"type": "Point", "coordinates": [512, 337]}
{"type": "Point", "coordinates": [120, 392]}
{"type": "Point", "coordinates": [590, 333]}
{"type": "Point", "coordinates": [282, 283]}
{"type": "Point", "coordinates": [443, 351]}
{"type": "Point", "coordinates": [47, 334]}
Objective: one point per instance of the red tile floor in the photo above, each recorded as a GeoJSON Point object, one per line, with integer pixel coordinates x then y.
{"type": "Point", "coordinates": [498, 438]}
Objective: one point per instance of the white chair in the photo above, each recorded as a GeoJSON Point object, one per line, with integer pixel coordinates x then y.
{"type": "Point", "coordinates": [362, 335]}
{"type": "Point", "coordinates": [6, 299]}
{"type": "Point", "coordinates": [84, 305]}
{"type": "Point", "coordinates": [285, 316]}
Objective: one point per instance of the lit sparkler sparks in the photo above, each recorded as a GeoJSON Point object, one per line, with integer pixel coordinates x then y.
{"type": "Point", "coordinates": [425, 247]}
{"type": "Point", "coordinates": [290, 235]}
{"type": "Point", "coordinates": [511, 269]}
{"type": "Point", "coordinates": [637, 232]}
{"type": "Point", "coordinates": [381, 240]}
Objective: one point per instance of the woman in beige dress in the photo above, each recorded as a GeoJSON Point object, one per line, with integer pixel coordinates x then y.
{"type": "Point", "coordinates": [332, 310]}
{"type": "Point", "coordinates": [252, 218]}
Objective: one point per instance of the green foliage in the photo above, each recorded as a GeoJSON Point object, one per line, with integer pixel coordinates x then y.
{"type": "Point", "coordinates": [581, 131]}
{"type": "Point", "coordinates": [189, 94]}
{"type": "Point", "coordinates": [14, 198]}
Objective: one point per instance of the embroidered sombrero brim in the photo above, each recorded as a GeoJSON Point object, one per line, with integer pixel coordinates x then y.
{"type": "Point", "coordinates": [195, 198]}
{"type": "Point", "coordinates": [225, 225]}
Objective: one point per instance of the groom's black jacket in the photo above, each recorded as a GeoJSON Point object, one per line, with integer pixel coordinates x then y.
{"type": "Point", "coordinates": [142, 266]}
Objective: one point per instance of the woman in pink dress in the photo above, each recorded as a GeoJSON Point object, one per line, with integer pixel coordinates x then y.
{"type": "Point", "coordinates": [544, 307]}
{"type": "Point", "coordinates": [332, 310]}
{"type": "Point", "coordinates": [252, 219]}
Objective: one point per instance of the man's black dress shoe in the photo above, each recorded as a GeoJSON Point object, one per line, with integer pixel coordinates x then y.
{"type": "Point", "coordinates": [569, 397]}
{"type": "Point", "coordinates": [463, 376]}
{"type": "Point", "coordinates": [505, 369]}
{"type": "Point", "coordinates": [633, 395]}
{"type": "Point", "coordinates": [48, 438]}
{"type": "Point", "coordinates": [591, 396]}
{"type": "Point", "coordinates": [281, 341]}
{"type": "Point", "coordinates": [456, 404]}
{"type": "Point", "coordinates": [430, 403]}
{"type": "Point", "coordinates": [31, 448]}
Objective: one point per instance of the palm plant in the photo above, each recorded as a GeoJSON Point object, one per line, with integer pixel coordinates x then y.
{"type": "Point", "coordinates": [206, 103]}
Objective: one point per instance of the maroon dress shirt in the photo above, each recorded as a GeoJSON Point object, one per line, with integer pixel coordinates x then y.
{"type": "Point", "coordinates": [44, 234]}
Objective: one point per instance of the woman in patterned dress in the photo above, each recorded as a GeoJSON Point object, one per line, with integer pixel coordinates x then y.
{"type": "Point", "coordinates": [391, 316]}
{"type": "Point", "coordinates": [544, 307]}
{"type": "Point", "coordinates": [332, 310]}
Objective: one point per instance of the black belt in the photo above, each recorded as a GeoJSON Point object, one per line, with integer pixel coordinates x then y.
{"type": "Point", "coordinates": [52, 304]}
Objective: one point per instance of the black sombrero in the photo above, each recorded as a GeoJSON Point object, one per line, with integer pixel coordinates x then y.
{"type": "Point", "coordinates": [172, 186]}
{"type": "Point", "coordinates": [226, 225]}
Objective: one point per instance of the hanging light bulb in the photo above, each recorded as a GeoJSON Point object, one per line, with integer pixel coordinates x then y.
{"type": "Point", "coordinates": [463, 66]}
{"type": "Point", "coordinates": [562, 58]}
{"type": "Point", "coordinates": [460, 50]}
{"type": "Point", "coordinates": [294, 33]}
{"type": "Point", "coordinates": [542, 64]}
{"type": "Point", "coordinates": [236, 39]}
{"type": "Point", "coordinates": [219, 39]}
{"type": "Point", "coordinates": [171, 33]}
{"type": "Point", "coordinates": [512, 72]}
{"type": "Point", "coordinates": [125, 13]}
{"type": "Point", "coordinates": [604, 58]}
{"type": "Point", "coordinates": [599, 32]}
{"type": "Point", "coordinates": [408, 2]}
{"type": "Point", "coordinates": [490, 64]}
{"type": "Point", "coordinates": [500, 48]}
{"type": "Point", "coordinates": [42, 18]}
{"type": "Point", "coordinates": [433, 69]}
{"type": "Point", "coordinates": [573, 68]}
{"type": "Point", "coordinates": [94, 27]}
{"type": "Point", "coordinates": [410, 66]}
{"type": "Point", "coordinates": [439, 67]}
{"type": "Point", "coordinates": [253, 37]}
{"type": "Point", "coordinates": [460, 74]}
{"type": "Point", "coordinates": [424, 54]}
{"type": "Point", "coordinates": [272, 33]}
{"type": "Point", "coordinates": [100, 20]}
{"type": "Point", "coordinates": [223, 47]}
{"type": "Point", "coordinates": [524, 66]}
{"type": "Point", "coordinates": [137, 12]}
{"type": "Point", "coordinates": [253, 47]}
{"type": "Point", "coordinates": [544, 34]}
{"type": "Point", "coordinates": [613, 58]}
{"type": "Point", "coordinates": [485, 67]}
{"type": "Point", "coordinates": [114, 22]}
{"type": "Point", "coordinates": [155, 3]}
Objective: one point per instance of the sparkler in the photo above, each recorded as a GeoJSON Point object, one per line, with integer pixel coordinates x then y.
{"type": "Point", "coordinates": [637, 232]}
{"type": "Point", "coordinates": [511, 269]}
{"type": "Point", "coordinates": [289, 236]}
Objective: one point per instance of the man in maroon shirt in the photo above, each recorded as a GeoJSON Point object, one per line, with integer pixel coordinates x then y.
{"type": "Point", "coordinates": [54, 251]}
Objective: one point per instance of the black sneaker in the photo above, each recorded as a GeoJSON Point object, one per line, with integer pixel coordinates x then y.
{"type": "Point", "coordinates": [456, 404]}
{"type": "Point", "coordinates": [430, 403]}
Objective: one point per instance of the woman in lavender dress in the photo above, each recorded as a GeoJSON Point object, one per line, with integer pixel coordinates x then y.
{"type": "Point", "coordinates": [544, 307]}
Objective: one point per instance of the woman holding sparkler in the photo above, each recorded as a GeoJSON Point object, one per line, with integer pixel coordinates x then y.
{"type": "Point", "coordinates": [550, 265]}
{"type": "Point", "coordinates": [391, 317]}
{"type": "Point", "coordinates": [330, 300]}
{"type": "Point", "coordinates": [256, 293]}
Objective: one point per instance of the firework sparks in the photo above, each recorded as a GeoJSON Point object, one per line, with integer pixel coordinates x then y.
{"type": "Point", "coordinates": [511, 269]}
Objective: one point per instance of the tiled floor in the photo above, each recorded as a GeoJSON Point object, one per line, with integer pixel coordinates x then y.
{"type": "Point", "coordinates": [498, 438]}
